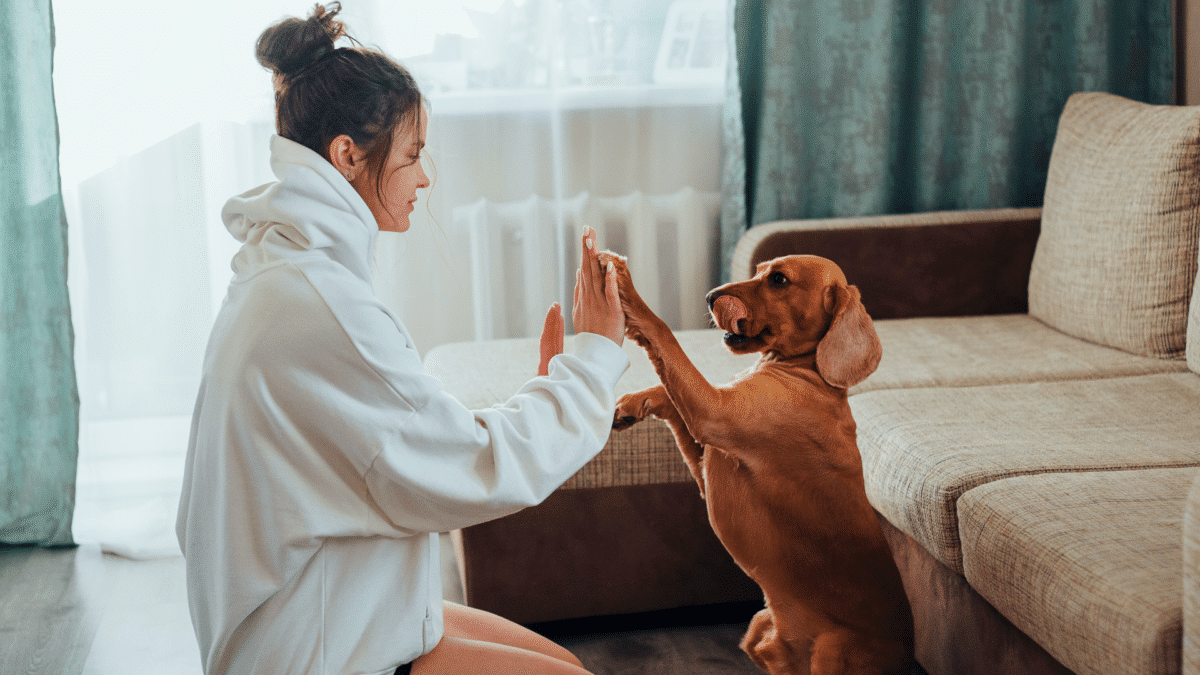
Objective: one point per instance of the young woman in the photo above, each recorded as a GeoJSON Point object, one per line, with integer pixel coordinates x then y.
{"type": "Point", "coordinates": [323, 460]}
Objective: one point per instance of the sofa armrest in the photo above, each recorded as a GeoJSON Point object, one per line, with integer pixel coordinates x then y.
{"type": "Point", "coordinates": [946, 263]}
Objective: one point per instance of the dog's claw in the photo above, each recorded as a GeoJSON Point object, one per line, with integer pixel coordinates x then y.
{"type": "Point", "coordinates": [623, 421]}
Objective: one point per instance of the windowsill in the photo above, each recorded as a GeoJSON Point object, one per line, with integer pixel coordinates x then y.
{"type": "Point", "coordinates": [493, 101]}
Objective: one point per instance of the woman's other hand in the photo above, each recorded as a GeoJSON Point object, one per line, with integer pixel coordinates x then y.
{"type": "Point", "coordinates": [597, 306]}
{"type": "Point", "coordinates": [552, 338]}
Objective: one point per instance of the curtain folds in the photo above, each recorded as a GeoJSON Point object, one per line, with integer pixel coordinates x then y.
{"type": "Point", "coordinates": [893, 106]}
{"type": "Point", "coordinates": [39, 409]}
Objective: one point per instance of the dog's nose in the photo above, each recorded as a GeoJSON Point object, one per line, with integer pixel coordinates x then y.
{"type": "Point", "coordinates": [712, 297]}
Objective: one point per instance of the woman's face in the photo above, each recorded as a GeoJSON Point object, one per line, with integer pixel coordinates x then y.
{"type": "Point", "coordinates": [403, 175]}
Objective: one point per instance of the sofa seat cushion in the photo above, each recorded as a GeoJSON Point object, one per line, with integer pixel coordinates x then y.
{"type": "Point", "coordinates": [998, 349]}
{"type": "Point", "coordinates": [923, 448]}
{"type": "Point", "coordinates": [1089, 565]}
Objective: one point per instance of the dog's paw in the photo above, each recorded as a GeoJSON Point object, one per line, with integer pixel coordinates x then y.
{"type": "Point", "coordinates": [622, 423]}
{"type": "Point", "coordinates": [640, 321]}
{"type": "Point", "coordinates": [621, 265]}
{"type": "Point", "coordinates": [631, 409]}
{"type": "Point", "coordinates": [631, 302]}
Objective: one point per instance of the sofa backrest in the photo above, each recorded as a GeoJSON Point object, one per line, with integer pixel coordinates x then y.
{"type": "Point", "coordinates": [1116, 258]}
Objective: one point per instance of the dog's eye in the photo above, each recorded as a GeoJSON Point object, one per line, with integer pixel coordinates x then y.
{"type": "Point", "coordinates": [778, 279]}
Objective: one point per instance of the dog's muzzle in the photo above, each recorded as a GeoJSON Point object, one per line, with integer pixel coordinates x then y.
{"type": "Point", "coordinates": [730, 315]}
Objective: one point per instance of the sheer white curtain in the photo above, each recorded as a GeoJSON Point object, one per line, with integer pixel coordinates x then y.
{"type": "Point", "coordinates": [164, 114]}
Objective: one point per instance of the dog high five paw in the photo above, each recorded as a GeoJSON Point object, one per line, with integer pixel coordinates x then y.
{"type": "Point", "coordinates": [775, 455]}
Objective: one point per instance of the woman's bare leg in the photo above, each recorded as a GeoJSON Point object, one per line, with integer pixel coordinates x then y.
{"type": "Point", "coordinates": [454, 656]}
{"type": "Point", "coordinates": [479, 641]}
{"type": "Point", "coordinates": [475, 624]}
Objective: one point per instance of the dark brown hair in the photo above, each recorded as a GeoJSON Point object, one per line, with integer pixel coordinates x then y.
{"type": "Point", "coordinates": [323, 91]}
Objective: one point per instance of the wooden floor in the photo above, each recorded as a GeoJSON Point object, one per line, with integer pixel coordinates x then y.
{"type": "Point", "coordinates": [77, 610]}
{"type": "Point", "coordinates": [699, 641]}
{"type": "Point", "coordinates": [69, 611]}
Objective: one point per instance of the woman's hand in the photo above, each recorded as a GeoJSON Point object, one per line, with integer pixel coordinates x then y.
{"type": "Point", "coordinates": [597, 306]}
{"type": "Point", "coordinates": [552, 338]}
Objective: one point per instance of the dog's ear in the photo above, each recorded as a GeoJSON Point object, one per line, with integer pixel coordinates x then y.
{"type": "Point", "coordinates": [850, 350]}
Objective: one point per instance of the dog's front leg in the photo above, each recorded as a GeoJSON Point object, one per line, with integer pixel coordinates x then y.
{"type": "Point", "coordinates": [632, 408]}
{"type": "Point", "coordinates": [703, 409]}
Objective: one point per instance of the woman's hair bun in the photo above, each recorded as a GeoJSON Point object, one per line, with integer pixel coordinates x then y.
{"type": "Point", "coordinates": [293, 44]}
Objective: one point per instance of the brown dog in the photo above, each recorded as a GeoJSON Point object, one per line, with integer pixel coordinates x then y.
{"type": "Point", "coordinates": [775, 455]}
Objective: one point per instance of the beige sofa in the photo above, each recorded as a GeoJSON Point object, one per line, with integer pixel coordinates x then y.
{"type": "Point", "coordinates": [1030, 439]}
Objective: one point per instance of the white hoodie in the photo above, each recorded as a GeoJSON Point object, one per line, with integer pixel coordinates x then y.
{"type": "Point", "coordinates": [323, 460]}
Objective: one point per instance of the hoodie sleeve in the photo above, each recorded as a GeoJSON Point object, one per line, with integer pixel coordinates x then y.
{"type": "Point", "coordinates": [439, 466]}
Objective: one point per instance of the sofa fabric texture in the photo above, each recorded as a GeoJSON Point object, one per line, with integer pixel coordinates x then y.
{"type": "Point", "coordinates": [1000, 349]}
{"type": "Point", "coordinates": [1087, 564]}
{"type": "Point", "coordinates": [922, 449]}
{"type": "Point", "coordinates": [1191, 582]}
{"type": "Point", "coordinates": [1116, 260]}
{"type": "Point", "coordinates": [1193, 329]}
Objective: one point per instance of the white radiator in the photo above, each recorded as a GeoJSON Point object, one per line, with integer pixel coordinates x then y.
{"type": "Point", "coordinates": [524, 255]}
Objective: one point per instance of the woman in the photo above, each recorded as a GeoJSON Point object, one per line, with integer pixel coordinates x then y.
{"type": "Point", "coordinates": [323, 461]}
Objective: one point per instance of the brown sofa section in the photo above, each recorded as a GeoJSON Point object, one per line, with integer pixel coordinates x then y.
{"type": "Point", "coordinates": [951, 263]}
{"type": "Point", "coordinates": [600, 551]}
{"type": "Point", "coordinates": [961, 633]}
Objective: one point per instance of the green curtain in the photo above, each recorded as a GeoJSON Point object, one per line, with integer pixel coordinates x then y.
{"type": "Point", "coordinates": [39, 408]}
{"type": "Point", "coordinates": [863, 107]}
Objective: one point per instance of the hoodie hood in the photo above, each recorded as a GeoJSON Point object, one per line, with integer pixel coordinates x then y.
{"type": "Point", "coordinates": [311, 211]}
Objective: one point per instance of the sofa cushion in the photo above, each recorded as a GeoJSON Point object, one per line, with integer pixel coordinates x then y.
{"type": "Point", "coordinates": [999, 349]}
{"type": "Point", "coordinates": [1088, 564]}
{"type": "Point", "coordinates": [1116, 258]}
{"type": "Point", "coordinates": [923, 448]}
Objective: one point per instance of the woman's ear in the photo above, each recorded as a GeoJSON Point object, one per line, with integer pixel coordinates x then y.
{"type": "Point", "coordinates": [850, 350]}
{"type": "Point", "coordinates": [345, 156]}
